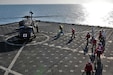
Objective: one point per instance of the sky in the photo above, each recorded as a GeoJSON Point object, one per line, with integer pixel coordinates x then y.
{"type": "Point", "coordinates": [53, 1]}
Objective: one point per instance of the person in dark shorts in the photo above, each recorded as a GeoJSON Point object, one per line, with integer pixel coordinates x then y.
{"type": "Point", "coordinates": [87, 38]}
{"type": "Point", "coordinates": [73, 33]}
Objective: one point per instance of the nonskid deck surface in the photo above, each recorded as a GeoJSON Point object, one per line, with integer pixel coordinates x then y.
{"type": "Point", "coordinates": [46, 55]}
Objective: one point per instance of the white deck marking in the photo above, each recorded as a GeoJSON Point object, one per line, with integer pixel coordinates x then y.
{"type": "Point", "coordinates": [11, 43]}
{"type": "Point", "coordinates": [13, 72]}
{"type": "Point", "coordinates": [71, 70]}
{"type": "Point", "coordinates": [52, 45]}
{"type": "Point", "coordinates": [41, 41]}
{"type": "Point", "coordinates": [55, 65]}
{"type": "Point", "coordinates": [65, 65]}
{"type": "Point", "coordinates": [76, 65]}
{"type": "Point", "coordinates": [60, 70]}
{"type": "Point", "coordinates": [1, 35]}
{"type": "Point", "coordinates": [14, 60]}
{"type": "Point", "coordinates": [49, 70]}
{"type": "Point", "coordinates": [35, 43]}
{"type": "Point", "coordinates": [3, 68]}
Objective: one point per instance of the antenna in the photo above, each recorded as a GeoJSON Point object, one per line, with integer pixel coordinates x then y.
{"type": "Point", "coordinates": [31, 14]}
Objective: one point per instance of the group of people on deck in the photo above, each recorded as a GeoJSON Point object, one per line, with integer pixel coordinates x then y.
{"type": "Point", "coordinates": [101, 43]}
{"type": "Point", "coordinates": [98, 49]}
{"type": "Point", "coordinates": [95, 49]}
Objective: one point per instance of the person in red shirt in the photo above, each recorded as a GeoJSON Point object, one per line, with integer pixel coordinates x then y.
{"type": "Point", "coordinates": [99, 50]}
{"type": "Point", "coordinates": [88, 68]}
{"type": "Point", "coordinates": [73, 33]}
{"type": "Point", "coordinates": [87, 38]}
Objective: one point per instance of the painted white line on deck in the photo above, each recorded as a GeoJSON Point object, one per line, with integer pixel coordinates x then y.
{"type": "Point", "coordinates": [1, 35]}
{"type": "Point", "coordinates": [41, 41]}
{"type": "Point", "coordinates": [3, 68]}
{"type": "Point", "coordinates": [6, 41]}
{"type": "Point", "coordinates": [13, 72]}
{"type": "Point", "coordinates": [35, 43]}
{"type": "Point", "coordinates": [14, 60]}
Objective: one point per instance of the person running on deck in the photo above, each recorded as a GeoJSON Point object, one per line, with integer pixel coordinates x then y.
{"type": "Point", "coordinates": [59, 32]}
{"type": "Point", "coordinates": [61, 29]}
{"type": "Point", "coordinates": [73, 33]}
{"type": "Point", "coordinates": [87, 38]}
{"type": "Point", "coordinates": [88, 68]}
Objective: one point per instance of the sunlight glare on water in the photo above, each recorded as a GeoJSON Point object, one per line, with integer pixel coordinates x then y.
{"type": "Point", "coordinates": [97, 13]}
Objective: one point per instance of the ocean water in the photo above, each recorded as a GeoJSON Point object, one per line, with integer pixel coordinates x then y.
{"type": "Point", "coordinates": [86, 14]}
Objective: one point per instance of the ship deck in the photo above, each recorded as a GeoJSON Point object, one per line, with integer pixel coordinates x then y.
{"type": "Point", "coordinates": [47, 55]}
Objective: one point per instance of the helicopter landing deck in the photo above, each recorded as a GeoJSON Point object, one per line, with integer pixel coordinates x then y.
{"type": "Point", "coordinates": [13, 40]}
{"type": "Point", "coordinates": [48, 55]}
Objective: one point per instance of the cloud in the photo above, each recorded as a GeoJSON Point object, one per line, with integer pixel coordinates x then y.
{"type": "Point", "coordinates": [50, 1]}
{"type": "Point", "coordinates": [43, 1]}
